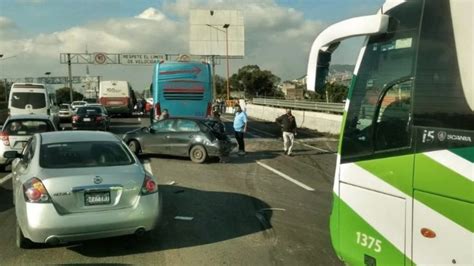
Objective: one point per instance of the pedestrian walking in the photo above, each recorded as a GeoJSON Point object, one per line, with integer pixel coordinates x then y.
{"type": "Point", "coordinates": [288, 126]}
{"type": "Point", "coordinates": [240, 127]}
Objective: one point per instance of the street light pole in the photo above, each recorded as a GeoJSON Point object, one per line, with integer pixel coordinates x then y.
{"type": "Point", "coordinates": [70, 76]}
{"type": "Point", "coordinates": [226, 27]}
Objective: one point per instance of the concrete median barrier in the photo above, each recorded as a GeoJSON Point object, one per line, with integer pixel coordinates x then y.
{"type": "Point", "coordinates": [322, 122]}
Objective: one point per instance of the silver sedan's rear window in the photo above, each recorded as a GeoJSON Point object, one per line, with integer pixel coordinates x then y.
{"type": "Point", "coordinates": [84, 154]}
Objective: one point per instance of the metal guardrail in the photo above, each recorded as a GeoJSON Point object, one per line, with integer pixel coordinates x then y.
{"type": "Point", "coordinates": [302, 105]}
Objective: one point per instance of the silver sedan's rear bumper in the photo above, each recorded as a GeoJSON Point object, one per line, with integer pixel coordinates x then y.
{"type": "Point", "coordinates": [42, 224]}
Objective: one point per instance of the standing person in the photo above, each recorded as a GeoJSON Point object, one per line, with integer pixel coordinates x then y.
{"type": "Point", "coordinates": [222, 104]}
{"type": "Point", "coordinates": [240, 127]}
{"type": "Point", "coordinates": [143, 106]}
{"type": "Point", "coordinates": [288, 126]}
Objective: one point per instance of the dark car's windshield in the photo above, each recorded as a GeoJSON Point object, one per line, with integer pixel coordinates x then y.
{"type": "Point", "coordinates": [27, 127]}
{"type": "Point", "coordinates": [64, 107]}
{"type": "Point", "coordinates": [84, 154]}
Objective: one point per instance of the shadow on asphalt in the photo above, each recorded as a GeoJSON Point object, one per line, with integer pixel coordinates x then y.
{"type": "Point", "coordinates": [6, 199]}
{"type": "Point", "coordinates": [250, 157]}
{"type": "Point", "coordinates": [217, 216]}
{"type": "Point", "coordinates": [125, 123]}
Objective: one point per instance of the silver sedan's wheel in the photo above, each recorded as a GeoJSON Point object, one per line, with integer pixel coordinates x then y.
{"type": "Point", "coordinates": [198, 154]}
{"type": "Point", "coordinates": [134, 146]}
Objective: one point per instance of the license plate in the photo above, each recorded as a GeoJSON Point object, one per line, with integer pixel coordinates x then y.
{"type": "Point", "coordinates": [87, 119]}
{"type": "Point", "coordinates": [97, 198]}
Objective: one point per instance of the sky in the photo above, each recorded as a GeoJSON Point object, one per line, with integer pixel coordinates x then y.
{"type": "Point", "coordinates": [278, 33]}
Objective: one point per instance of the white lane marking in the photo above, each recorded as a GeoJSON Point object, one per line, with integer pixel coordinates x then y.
{"type": "Point", "coordinates": [5, 179]}
{"type": "Point", "coordinates": [312, 147]}
{"type": "Point", "coordinates": [296, 182]}
{"type": "Point", "coordinates": [184, 218]}
{"type": "Point", "coordinates": [147, 166]}
{"type": "Point", "coordinates": [272, 209]}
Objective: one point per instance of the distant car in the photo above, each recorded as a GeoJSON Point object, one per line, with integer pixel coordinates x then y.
{"type": "Point", "coordinates": [65, 112]}
{"type": "Point", "coordinates": [18, 129]}
{"type": "Point", "coordinates": [71, 186]}
{"type": "Point", "coordinates": [77, 104]}
{"type": "Point", "coordinates": [91, 117]}
{"type": "Point", "coordinates": [190, 137]}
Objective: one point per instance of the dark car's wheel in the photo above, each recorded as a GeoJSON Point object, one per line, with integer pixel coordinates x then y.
{"type": "Point", "coordinates": [21, 240]}
{"type": "Point", "coordinates": [198, 154]}
{"type": "Point", "coordinates": [134, 146]}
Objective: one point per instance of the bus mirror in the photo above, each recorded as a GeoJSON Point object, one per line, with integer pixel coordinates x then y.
{"type": "Point", "coordinates": [322, 70]}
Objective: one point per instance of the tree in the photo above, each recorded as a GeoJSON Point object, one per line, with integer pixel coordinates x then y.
{"type": "Point", "coordinates": [336, 93]}
{"type": "Point", "coordinates": [63, 95]}
{"type": "Point", "coordinates": [221, 89]}
{"type": "Point", "coordinates": [253, 81]}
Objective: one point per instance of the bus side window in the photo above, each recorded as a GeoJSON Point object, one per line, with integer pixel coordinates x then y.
{"type": "Point", "coordinates": [392, 128]}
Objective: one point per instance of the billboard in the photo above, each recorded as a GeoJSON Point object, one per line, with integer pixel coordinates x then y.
{"type": "Point", "coordinates": [208, 30]}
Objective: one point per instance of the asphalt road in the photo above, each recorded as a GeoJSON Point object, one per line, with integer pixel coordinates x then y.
{"type": "Point", "coordinates": [261, 209]}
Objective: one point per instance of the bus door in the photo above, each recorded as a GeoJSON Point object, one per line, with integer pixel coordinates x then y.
{"type": "Point", "coordinates": [372, 224]}
{"type": "Point", "coordinates": [443, 209]}
{"type": "Point", "coordinates": [375, 176]}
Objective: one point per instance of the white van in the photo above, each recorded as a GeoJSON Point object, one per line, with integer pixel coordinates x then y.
{"type": "Point", "coordinates": [33, 98]}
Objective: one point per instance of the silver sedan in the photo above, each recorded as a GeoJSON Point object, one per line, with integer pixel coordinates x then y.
{"type": "Point", "coordinates": [71, 186]}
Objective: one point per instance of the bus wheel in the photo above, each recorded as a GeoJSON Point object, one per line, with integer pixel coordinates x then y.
{"type": "Point", "coordinates": [198, 154]}
{"type": "Point", "coordinates": [134, 146]}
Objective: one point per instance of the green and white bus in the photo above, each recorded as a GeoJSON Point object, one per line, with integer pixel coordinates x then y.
{"type": "Point", "coordinates": [404, 183]}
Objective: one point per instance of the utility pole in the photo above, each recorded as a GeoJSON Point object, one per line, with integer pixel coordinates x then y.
{"type": "Point", "coordinates": [226, 27]}
{"type": "Point", "coordinates": [70, 76]}
{"type": "Point", "coordinates": [98, 87]}
{"type": "Point", "coordinates": [214, 90]}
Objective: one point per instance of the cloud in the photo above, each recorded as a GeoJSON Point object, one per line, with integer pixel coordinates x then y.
{"type": "Point", "coordinates": [6, 24]}
{"type": "Point", "coordinates": [152, 14]}
{"type": "Point", "coordinates": [277, 38]}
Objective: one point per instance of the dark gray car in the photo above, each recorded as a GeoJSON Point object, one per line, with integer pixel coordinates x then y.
{"type": "Point", "coordinates": [180, 137]}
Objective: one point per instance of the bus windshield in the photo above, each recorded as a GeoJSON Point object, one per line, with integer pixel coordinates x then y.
{"type": "Point", "coordinates": [387, 58]}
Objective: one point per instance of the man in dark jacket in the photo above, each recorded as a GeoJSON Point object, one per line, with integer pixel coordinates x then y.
{"type": "Point", "coordinates": [288, 125]}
